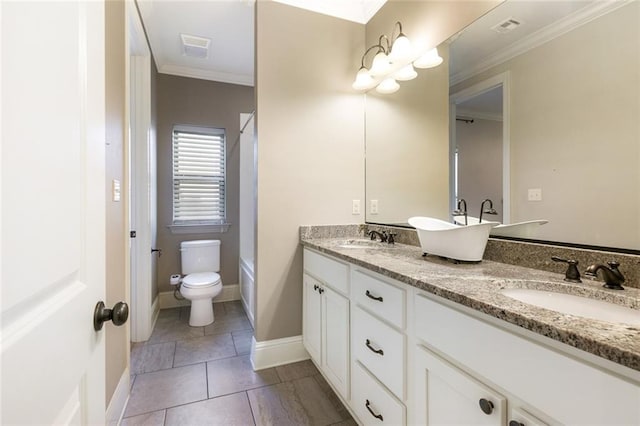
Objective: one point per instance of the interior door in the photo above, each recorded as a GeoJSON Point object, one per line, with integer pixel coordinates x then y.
{"type": "Point", "coordinates": [53, 207]}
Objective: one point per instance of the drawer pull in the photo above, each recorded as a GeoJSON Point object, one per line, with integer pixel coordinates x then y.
{"type": "Point", "coordinates": [486, 406]}
{"type": "Point", "coordinates": [372, 349]}
{"type": "Point", "coordinates": [515, 423]}
{"type": "Point", "coordinates": [377, 416]}
{"type": "Point", "coordinates": [370, 296]}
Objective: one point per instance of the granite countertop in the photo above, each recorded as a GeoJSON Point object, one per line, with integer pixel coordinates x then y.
{"type": "Point", "coordinates": [478, 286]}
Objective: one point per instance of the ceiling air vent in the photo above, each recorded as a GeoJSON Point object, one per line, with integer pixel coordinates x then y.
{"type": "Point", "coordinates": [194, 46]}
{"type": "Point", "coordinates": [506, 26]}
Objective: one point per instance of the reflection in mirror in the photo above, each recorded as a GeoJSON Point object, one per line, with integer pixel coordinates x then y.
{"type": "Point", "coordinates": [570, 152]}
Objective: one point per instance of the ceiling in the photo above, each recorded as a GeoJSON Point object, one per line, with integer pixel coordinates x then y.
{"type": "Point", "coordinates": [229, 25]}
{"type": "Point", "coordinates": [478, 47]}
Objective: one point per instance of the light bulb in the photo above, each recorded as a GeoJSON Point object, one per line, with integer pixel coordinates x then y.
{"type": "Point", "coordinates": [401, 50]}
{"type": "Point", "coordinates": [388, 85]}
{"type": "Point", "coordinates": [406, 73]}
{"type": "Point", "coordinates": [363, 80]}
{"type": "Point", "coordinates": [428, 60]}
{"type": "Point", "coordinates": [380, 64]}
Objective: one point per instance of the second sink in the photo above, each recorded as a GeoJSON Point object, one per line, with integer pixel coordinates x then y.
{"type": "Point", "coordinates": [575, 305]}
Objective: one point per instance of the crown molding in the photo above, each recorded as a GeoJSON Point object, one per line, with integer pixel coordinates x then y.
{"type": "Point", "coordinates": [221, 77]}
{"type": "Point", "coordinates": [542, 36]}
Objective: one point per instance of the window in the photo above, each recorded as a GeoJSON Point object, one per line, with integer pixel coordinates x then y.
{"type": "Point", "coordinates": [198, 176]}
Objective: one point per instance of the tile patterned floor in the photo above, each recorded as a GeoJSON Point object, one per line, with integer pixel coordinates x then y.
{"type": "Point", "coordinates": [202, 376]}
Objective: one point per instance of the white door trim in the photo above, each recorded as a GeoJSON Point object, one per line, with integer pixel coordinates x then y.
{"type": "Point", "coordinates": [503, 80]}
{"type": "Point", "coordinates": [138, 90]}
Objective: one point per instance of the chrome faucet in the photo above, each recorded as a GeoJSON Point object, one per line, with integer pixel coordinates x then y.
{"type": "Point", "coordinates": [490, 210]}
{"type": "Point", "coordinates": [459, 212]}
{"type": "Point", "coordinates": [383, 236]}
{"type": "Point", "coordinates": [612, 276]}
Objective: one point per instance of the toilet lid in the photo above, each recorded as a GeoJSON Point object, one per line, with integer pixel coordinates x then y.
{"type": "Point", "coordinates": [201, 279]}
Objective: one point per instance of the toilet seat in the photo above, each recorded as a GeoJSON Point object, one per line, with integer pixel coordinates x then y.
{"type": "Point", "coordinates": [201, 280]}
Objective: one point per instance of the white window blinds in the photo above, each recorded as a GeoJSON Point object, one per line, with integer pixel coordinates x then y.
{"type": "Point", "coordinates": [198, 175]}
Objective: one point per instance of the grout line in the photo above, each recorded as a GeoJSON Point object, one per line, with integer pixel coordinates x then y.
{"type": "Point", "coordinates": [253, 414]}
{"type": "Point", "coordinates": [175, 350]}
{"type": "Point", "coordinates": [206, 378]}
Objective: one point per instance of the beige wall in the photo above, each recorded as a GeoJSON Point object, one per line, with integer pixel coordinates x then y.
{"type": "Point", "coordinates": [191, 101]}
{"type": "Point", "coordinates": [310, 148]}
{"type": "Point", "coordinates": [574, 132]}
{"type": "Point", "coordinates": [407, 133]}
{"type": "Point", "coordinates": [480, 164]}
{"type": "Point", "coordinates": [117, 338]}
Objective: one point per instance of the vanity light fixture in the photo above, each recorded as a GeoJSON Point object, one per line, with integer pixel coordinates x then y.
{"type": "Point", "coordinates": [393, 61]}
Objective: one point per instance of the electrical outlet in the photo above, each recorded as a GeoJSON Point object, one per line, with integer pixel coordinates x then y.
{"type": "Point", "coordinates": [535, 194]}
{"type": "Point", "coordinates": [355, 207]}
{"type": "Point", "coordinates": [374, 207]}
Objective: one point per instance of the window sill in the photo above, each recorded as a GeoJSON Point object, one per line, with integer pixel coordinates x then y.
{"type": "Point", "coordinates": [199, 228]}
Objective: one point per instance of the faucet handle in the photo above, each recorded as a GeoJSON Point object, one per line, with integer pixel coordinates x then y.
{"type": "Point", "coordinates": [613, 264]}
{"type": "Point", "coordinates": [572, 274]}
{"type": "Point", "coordinates": [391, 239]}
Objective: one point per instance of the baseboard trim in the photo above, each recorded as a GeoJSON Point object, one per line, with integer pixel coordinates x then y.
{"type": "Point", "coordinates": [119, 400]}
{"type": "Point", "coordinates": [229, 292]}
{"type": "Point", "coordinates": [272, 353]}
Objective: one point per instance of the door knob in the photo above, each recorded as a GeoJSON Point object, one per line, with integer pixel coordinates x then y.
{"type": "Point", "coordinates": [119, 314]}
{"type": "Point", "coordinates": [159, 251]}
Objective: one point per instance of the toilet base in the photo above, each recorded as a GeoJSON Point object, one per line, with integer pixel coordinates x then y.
{"type": "Point", "coordinates": [201, 312]}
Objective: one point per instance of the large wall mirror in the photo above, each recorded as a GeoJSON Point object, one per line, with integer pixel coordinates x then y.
{"type": "Point", "coordinates": [536, 107]}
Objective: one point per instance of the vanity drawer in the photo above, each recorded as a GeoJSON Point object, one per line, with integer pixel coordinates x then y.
{"type": "Point", "coordinates": [380, 348]}
{"type": "Point", "coordinates": [385, 300]}
{"type": "Point", "coordinates": [373, 404]}
{"type": "Point", "coordinates": [327, 270]}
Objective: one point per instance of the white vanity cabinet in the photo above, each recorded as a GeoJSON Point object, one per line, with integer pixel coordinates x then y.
{"type": "Point", "coordinates": [535, 379]}
{"type": "Point", "coordinates": [326, 317]}
{"type": "Point", "coordinates": [398, 355]}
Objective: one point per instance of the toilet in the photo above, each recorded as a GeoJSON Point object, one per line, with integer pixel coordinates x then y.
{"type": "Point", "coordinates": [201, 281]}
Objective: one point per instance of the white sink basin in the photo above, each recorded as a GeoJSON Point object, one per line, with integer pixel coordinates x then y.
{"type": "Point", "coordinates": [363, 244]}
{"type": "Point", "coordinates": [440, 238]}
{"type": "Point", "coordinates": [575, 305]}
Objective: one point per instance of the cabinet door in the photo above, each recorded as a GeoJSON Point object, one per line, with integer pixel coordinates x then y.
{"type": "Point", "coordinates": [446, 395]}
{"type": "Point", "coordinates": [336, 343]}
{"type": "Point", "coordinates": [312, 317]}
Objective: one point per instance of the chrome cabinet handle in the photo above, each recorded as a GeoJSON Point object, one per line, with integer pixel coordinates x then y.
{"type": "Point", "coordinates": [370, 296]}
{"type": "Point", "coordinates": [377, 416]}
{"type": "Point", "coordinates": [372, 349]}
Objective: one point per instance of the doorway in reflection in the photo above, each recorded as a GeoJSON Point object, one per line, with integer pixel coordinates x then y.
{"type": "Point", "coordinates": [479, 148]}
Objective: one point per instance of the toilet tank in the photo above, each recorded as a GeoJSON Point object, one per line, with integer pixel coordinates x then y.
{"type": "Point", "coordinates": [200, 256]}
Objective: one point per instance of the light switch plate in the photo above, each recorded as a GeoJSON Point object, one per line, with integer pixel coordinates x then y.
{"type": "Point", "coordinates": [115, 187]}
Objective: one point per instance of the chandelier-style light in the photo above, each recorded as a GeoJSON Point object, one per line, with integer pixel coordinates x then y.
{"type": "Point", "coordinates": [392, 63]}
